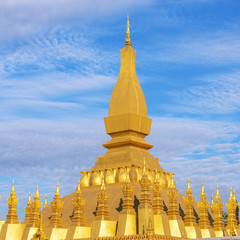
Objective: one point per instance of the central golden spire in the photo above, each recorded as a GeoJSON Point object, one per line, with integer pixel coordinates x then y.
{"type": "Point", "coordinates": [127, 124]}
{"type": "Point", "coordinates": [127, 96]}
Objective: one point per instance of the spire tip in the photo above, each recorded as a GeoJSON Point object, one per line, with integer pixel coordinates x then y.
{"type": "Point", "coordinates": [128, 41]}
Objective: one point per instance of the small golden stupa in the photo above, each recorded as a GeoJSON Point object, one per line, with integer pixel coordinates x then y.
{"type": "Point", "coordinates": [126, 194]}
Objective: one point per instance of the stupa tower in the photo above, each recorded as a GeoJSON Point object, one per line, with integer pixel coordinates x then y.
{"type": "Point", "coordinates": [128, 125]}
{"type": "Point", "coordinates": [127, 122]}
{"type": "Point", "coordinates": [123, 165]}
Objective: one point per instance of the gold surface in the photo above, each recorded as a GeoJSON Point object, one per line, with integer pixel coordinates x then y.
{"type": "Point", "coordinates": [127, 224]}
{"type": "Point", "coordinates": [104, 228]}
{"type": "Point", "coordinates": [77, 232]}
{"type": "Point", "coordinates": [161, 224]}
{"type": "Point", "coordinates": [12, 231]}
{"type": "Point", "coordinates": [29, 232]}
{"type": "Point", "coordinates": [1, 224]}
{"type": "Point", "coordinates": [56, 233]}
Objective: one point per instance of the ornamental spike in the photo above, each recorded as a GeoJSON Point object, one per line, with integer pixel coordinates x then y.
{"type": "Point", "coordinates": [202, 192]}
{"type": "Point", "coordinates": [13, 186]}
{"type": "Point", "coordinates": [231, 193]}
{"type": "Point", "coordinates": [57, 194]}
{"type": "Point", "coordinates": [189, 190]}
{"type": "Point", "coordinates": [217, 197]}
{"type": "Point", "coordinates": [128, 41]}
{"type": "Point", "coordinates": [29, 197]}
{"type": "Point", "coordinates": [37, 192]}
{"type": "Point", "coordinates": [45, 202]}
{"type": "Point", "coordinates": [188, 184]}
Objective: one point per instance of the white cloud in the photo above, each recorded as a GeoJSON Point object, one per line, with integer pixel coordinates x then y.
{"type": "Point", "coordinates": [59, 50]}
{"type": "Point", "coordinates": [214, 48]}
{"type": "Point", "coordinates": [54, 85]}
{"type": "Point", "coordinates": [190, 149]}
{"type": "Point", "coordinates": [219, 93]}
{"type": "Point", "coordinates": [23, 17]}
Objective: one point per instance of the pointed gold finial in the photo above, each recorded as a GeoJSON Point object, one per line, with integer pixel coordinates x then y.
{"type": "Point", "coordinates": [45, 202]}
{"type": "Point", "coordinates": [57, 190]}
{"type": "Point", "coordinates": [217, 196]}
{"type": "Point", "coordinates": [202, 188]}
{"type": "Point", "coordinates": [231, 193]}
{"type": "Point", "coordinates": [203, 194]}
{"type": "Point", "coordinates": [37, 192]}
{"type": "Point", "coordinates": [189, 190]}
{"type": "Point", "coordinates": [234, 195]}
{"type": "Point", "coordinates": [212, 200]}
{"type": "Point", "coordinates": [29, 197]}
{"type": "Point", "coordinates": [128, 41]}
{"type": "Point", "coordinates": [13, 186]}
{"type": "Point", "coordinates": [28, 208]}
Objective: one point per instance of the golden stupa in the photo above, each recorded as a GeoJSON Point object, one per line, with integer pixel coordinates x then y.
{"type": "Point", "coordinates": [126, 194]}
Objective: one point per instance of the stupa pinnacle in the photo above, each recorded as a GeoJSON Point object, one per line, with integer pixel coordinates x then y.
{"type": "Point", "coordinates": [127, 122]}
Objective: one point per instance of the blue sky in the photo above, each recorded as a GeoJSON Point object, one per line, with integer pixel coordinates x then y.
{"type": "Point", "coordinates": [59, 62]}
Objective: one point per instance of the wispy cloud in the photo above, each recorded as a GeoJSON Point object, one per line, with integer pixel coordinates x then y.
{"type": "Point", "coordinates": [217, 94]}
{"type": "Point", "coordinates": [200, 150]}
{"type": "Point", "coordinates": [215, 48]}
{"type": "Point", "coordinates": [54, 70]}
{"type": "Point", "coordinates": [26, 17]}
{"type": "Point", "coordinates": [58, 50]}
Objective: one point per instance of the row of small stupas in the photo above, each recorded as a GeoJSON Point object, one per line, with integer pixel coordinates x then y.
{"type": "Point", "coordinates": [149, 219]}
{"type": "Point", "coordinates": [126, 194]}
